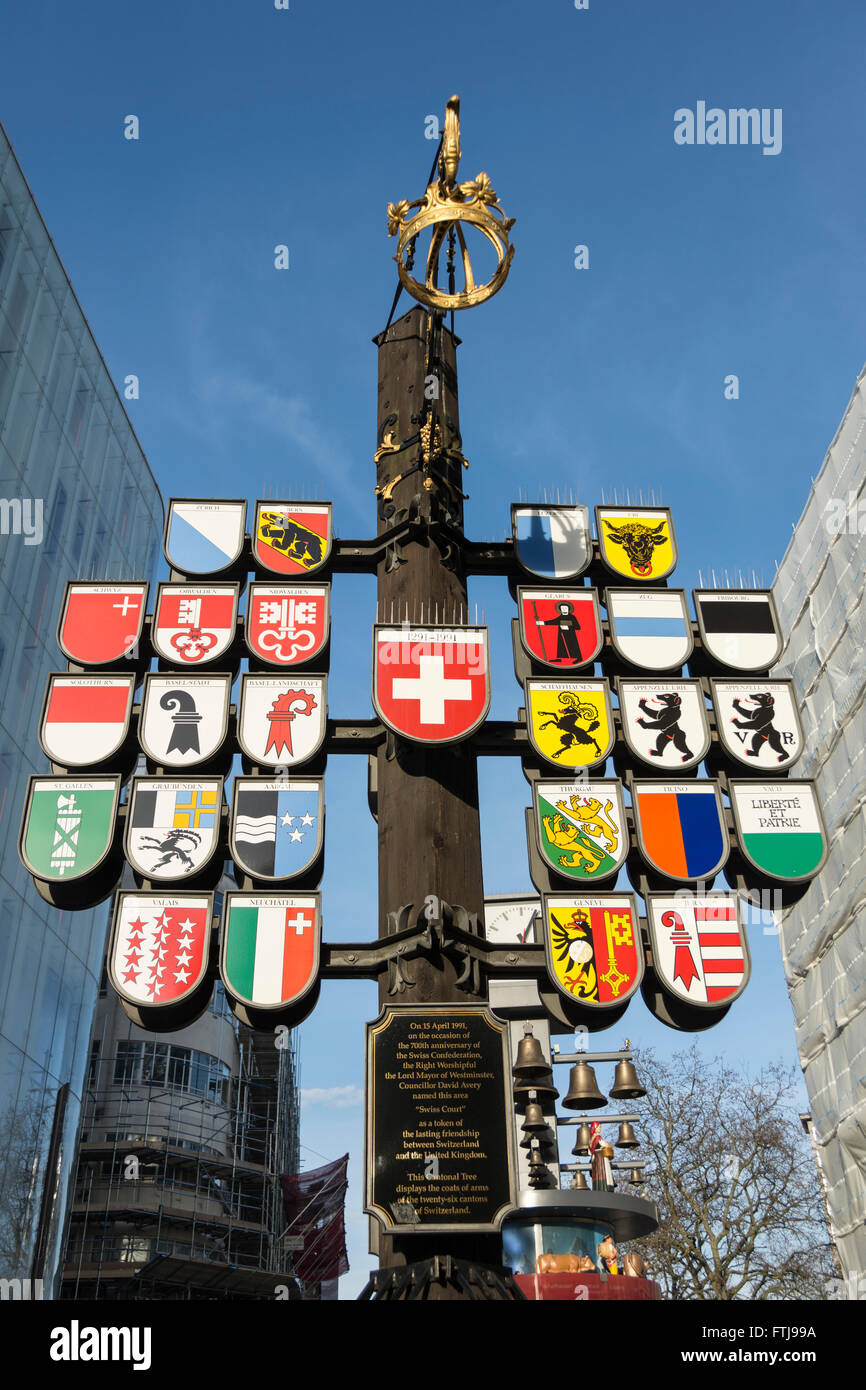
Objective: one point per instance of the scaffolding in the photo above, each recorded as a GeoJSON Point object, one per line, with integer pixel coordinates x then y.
{"type": "Point", "coordinates": [177, 1190]}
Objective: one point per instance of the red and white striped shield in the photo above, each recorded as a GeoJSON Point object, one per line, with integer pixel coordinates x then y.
{"type": "Point", "coordinates": [700, 953]}
{"type": "Point", "coordinates": [85, 718]}
{"type": "Point", "coordinates": [431, 684]}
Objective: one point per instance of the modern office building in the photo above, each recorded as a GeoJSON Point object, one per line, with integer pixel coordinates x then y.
{"type": "Point", "coordinates": [820, 591]}
{"type": "Point", "coordinates": [77, 499]}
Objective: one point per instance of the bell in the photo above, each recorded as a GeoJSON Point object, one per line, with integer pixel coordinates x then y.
{"type": "Point", "coordinates": [583, 1092]}
{"type": "Point", "coordinates": [636, 1178]}
{"type": "Point", "coordinates": [625, 1083]}
{"type": "Point", "coordinates": [535, 1160]}
{"type": "Point", "coordinates": [626, 1139]}
{"type": "Point", "coordinates": [530, 1058]}
{"type": "Point", "coordinates": [535, 1089]}
{"type": "Point", "coordinates": [581, 1143]}
{"type": "Point", "coordinates": [579, 1183]}
{"type": "Point", "coordinates": [544, 1137]}
{"type": "Point", "coordinates": [534, 1118]}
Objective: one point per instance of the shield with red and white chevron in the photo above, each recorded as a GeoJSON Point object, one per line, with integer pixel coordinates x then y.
{"type": "Point", "coordinates": [431, 684]}
{"type": "Point", "coordinates": [700, 952]}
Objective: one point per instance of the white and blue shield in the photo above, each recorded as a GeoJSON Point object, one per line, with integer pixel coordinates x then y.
{"type": "Point", "coordinates": [203, 537]}
{"type": "Point", "coordinates": [277, 826]}
{"type": "Point", "coordinates": [650, 628]}
{"type": "Point", "coordinates": [552, 542]}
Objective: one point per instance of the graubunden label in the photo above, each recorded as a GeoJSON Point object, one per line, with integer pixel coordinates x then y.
{"type": "Point", "coordinates": [437, 1145]}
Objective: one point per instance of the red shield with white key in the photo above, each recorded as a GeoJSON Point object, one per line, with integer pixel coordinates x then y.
{"type": "Point", "coordinates": [287, 624]}
{"type": "Point", "coordinates": [194, 624]}
{"type": "Point", "coordinates": [431, 684]}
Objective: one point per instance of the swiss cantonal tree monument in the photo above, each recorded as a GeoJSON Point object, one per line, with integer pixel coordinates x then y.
{"type": "Point", "coordinates": [660, 761]}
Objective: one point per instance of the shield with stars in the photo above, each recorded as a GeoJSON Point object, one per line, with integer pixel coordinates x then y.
{"type": "Point", "coordinates": [203, 537]}
{"type": "Point", "coordinates": [173, 826]}
{"type": "Point", "coordinates": [560, 628]}
{"type": "Point", "coordinates": [194, 624]}
{"type": "Point", "coordinates": [184, 718]}
{"type": "Point", "coordinates": [158, 956]}
{"type": "Point", "coordinates": [699, 947]}
{"type": "Point", "coordinates": [593, 947]}
{"type": "Point", "coordinates": [277, 826]}
{"type": "Point", "coordinates": [570, 722]}
{"type": "Point", "coordinates": [282, 719]}
{"type": "Point", "coordinates": [101, 624]}
{"type": "Point", "coordinates": [431, 684]}
{"type": "Point", "coordinates": [292, 538]}
{"type": "Point", "coordinates": [664, 722]}
{"type": "Point", "coordinates": [287, 624]}
{"type": "Point", "coordinates": [269, 953]}
{"type": "Point", "coordinates": [637, 543]}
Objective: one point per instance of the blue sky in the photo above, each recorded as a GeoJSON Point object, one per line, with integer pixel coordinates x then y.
{"type": "Point", "coordinates": [261, 127]}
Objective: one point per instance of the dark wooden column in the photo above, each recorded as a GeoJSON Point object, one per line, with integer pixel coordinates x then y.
{"type": "Point", "coordinates": [429, 836]}
{"type": "Point", "coordinates": [429, 833]}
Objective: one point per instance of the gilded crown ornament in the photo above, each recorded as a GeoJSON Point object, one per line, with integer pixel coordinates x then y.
{"type": "Point", "coordinates": [446, 207]}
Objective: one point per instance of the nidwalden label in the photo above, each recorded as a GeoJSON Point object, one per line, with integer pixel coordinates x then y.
{"type": "Point", "coordinates": [437, 1142]}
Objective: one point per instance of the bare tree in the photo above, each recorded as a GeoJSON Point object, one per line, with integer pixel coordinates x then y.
{"type": "Point", "coordinates": [735, 1183]}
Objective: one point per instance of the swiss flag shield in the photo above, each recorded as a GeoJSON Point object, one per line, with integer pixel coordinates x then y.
{"type": "Point", "coordinates": [431, 684]}
{"type": "Point", "coordinates": [101, 623]}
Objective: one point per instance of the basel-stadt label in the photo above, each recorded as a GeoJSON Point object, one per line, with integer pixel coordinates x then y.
{"type": "Point", "coordinates": [581, 827]}
{"type": "Point", "coordinates": [593, 948]}
{"type": "Point", "coordinates": [552, 542]}
{"type": "Point", "coordinates": [699, 946]}
{"type": "Point", "coordinates": [184, 719]}
{"type": "Point", "coordinates": [431, 684]}
{"type": "Point", "coordinates": [560, 628]}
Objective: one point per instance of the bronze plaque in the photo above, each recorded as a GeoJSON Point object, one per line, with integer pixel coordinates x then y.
{"type": "Point", "coordinates": [438, 1119]}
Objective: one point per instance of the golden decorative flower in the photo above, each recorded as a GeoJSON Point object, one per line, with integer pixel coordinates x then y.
{"type": "Point", "coordinates": [396, 213]}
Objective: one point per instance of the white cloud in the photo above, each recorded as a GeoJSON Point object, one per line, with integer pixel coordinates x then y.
{"type": "Point", "coordinates": [337, 1097]}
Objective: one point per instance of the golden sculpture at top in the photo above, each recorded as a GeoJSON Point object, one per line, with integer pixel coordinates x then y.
{"type": "Point", "coordinates": [445, 207]}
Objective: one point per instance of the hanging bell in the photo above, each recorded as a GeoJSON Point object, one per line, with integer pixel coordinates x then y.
{"type": "Point", "coordinates": [545, 1139]}
{"type": "Point", "coordinates": [535, 1160]}
{"type": "Point", "coordinates": [582, 1142]}
{"type": "Point", "coordinates": [579, 1183]}
{"type": "Point", "coordinates": [535, 1089]}
{"type": "Point", "coordinates": [625, 1083]}
{"type": "Point", "coordinates": [627, 1138]}
{"type": "Point", "coordinates": [530, 1058]}
{"type": "Point", "coordinates": [583, 1092]}
{"type": "Point", "coordinates": [636, 1178]}
{"type": "Point", "coordinates": [534, 1118]}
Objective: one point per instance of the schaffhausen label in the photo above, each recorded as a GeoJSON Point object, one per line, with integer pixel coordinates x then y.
{"type": "Point", "coordinates": [437, 1142]}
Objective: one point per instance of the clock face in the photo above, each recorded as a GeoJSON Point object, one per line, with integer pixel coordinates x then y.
{"type": "Point", "coordinates": [511, 920]}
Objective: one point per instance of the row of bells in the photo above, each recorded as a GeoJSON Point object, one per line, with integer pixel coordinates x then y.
{"type": "Point", "coordinates": [534, 1073]}
{"type": "Point", "coordinates": [535, 1126]}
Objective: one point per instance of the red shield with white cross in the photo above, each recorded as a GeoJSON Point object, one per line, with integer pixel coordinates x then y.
{"type": "Point", "coordinates": [287, 624]}
{"type": "Point", "coordinates": [431, 684]}
{"type": "Point", "coordinates": [101, 623]}
{"type": "Point", "coordinates": [193, 625]}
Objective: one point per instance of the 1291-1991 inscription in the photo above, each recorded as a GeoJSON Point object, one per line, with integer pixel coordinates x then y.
{"type": "Point", "coordinates": [437, 1119]}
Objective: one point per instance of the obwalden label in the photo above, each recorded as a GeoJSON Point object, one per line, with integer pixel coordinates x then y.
{"type": "Point", "coordinates": [438, 1103]}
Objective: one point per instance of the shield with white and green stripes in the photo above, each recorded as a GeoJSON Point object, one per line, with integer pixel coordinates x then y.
{"type": "Point", "coordinates": [269, 956]}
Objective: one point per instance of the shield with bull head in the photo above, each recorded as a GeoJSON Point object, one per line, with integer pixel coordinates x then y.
{"type": "Point", "coordinates": [637, 543]}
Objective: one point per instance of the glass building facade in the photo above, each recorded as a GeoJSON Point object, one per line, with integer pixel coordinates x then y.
{"type": "Point", "coordinates": [77, 500]}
